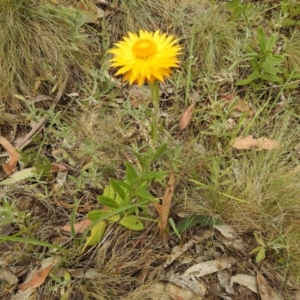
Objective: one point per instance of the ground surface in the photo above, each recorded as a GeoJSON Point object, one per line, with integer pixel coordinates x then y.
{"type": "Point", "coordinates": [222, 181]}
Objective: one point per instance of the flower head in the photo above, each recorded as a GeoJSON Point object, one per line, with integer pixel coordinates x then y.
{"type": "Point", "coordinates": [145, 57]}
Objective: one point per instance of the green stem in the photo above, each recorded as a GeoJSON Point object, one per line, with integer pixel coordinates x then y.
{"type": "Point", "coordinates": [156, 114]}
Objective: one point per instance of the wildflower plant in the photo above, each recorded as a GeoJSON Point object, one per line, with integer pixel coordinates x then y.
{"type": "Point", "coordinates": [146, 57]}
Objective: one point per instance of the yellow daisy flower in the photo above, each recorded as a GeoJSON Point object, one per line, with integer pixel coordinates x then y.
{"type": "Point", "coordinates": [145, 57]}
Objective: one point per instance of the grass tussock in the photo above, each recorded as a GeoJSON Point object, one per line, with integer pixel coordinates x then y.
{"type": "Point", "coordinates": [206, 31]}
{"type": "Point", "coordinates": [40, 42]}
{"type": "Point", "coordinates": [255, 191]}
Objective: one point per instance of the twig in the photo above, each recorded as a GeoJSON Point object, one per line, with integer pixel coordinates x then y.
{"type": "Point", "coordinates": [39, 126]}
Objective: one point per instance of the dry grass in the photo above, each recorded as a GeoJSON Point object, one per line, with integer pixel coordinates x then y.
{"type": "Point", "coordinates": [95, 131]}
{"type": "Point", "coordinates": [40, 44]}
{"type": "Point", "coordinates": [253, 191]}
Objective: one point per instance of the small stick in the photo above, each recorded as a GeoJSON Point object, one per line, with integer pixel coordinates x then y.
{"type": "Point", "coordinates": [40, 124]}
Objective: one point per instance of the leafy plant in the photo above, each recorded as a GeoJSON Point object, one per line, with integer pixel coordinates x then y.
{"type": "Point", "coordinates": [264, 63]}
{"type": "Point", "coordinates": [239, 10]}
{"type": "Point", "coordinates": [125, 201]}
{"type": "Point", "coordinates": [289, 11]}
{"type": "Point", "coordinates": [263, 246]}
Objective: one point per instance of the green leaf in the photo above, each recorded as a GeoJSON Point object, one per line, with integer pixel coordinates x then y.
{"type": "Point", "coordinates": [159, 152]}
{"type": "Point", "coordinates": [96, 236]}
{"type": "Point", "coordinates": [261, 39]}
{"type": "Point", "coordinates": [157, 175]}
{"type": "Point", "coordinates": [253, 76]}
{"type": "Point", "coordinates": [259, 240]}
{"type": "Point", "coordinates": [271, 78]}
{"type": "Point", "coordinates": [256, 249]}
{"type": "Point", "coordinates": [109, 192]}
{"type": "Point", "coordinates": [261, 255]}
{"type": "Point", "coordinates": [191, 221]}
{"type": "Point", "coordinates": [95, 214]}
{"type": "Point", "coordinates": [4, 238]}
{"type": "Point", "coordinates": [270, 65]}
{"type": "Point", "coordinates": [253, 63]}
{"type": "Point", "coordinates": [130, 222]}
{"type": "Point", "coordinates": [144, 194]}
{"type": "Point", "coordinates": [102, 216]}
{"type": "Point", "coordinates": [173, 225]}
{"type": "Point", "coordinates": [20, 97]}
{"type": "Point", "coordinates": [271, 42]}
{"type": "Point", "coordinates": [56, 279]}
{"type": "Point", "coordinates": [130, 172]}
{"type": "Point", "coordinates": [107, 201]}
{"type": "Point", "coordinates": [118, 189]}
{"type": "Point", "coordinates": [187, 223]}
{"type": "Point", "coordinates": [124, 185]}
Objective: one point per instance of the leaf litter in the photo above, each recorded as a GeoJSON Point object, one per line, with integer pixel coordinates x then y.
{"type": "Point", "coordinates": [249, 142]}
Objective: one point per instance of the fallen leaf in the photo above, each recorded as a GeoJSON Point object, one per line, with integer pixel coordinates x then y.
{"type": "Point", "coordinates": [226, 230]}
{"type": "Point", "coordinates": [79, 227]}
{"type": "Point", "coordinates": [26, 173]}
{"type": "Point", "coordinates": [209, 267]}
{"type": "Point", "coordinates": [56, 167]}
{"type": "Point", "coordinates": [246, 280]}
{"type": "Point", "coordinates": [224, 281]}
{"type": "Point", "coordinates": [265, 290]}
{"type": "Point", "coordinates": [186, 117]}
{"type": "Point", "coordinates": [37, 279]}
{"type": "Point", "coordinates": [179, 293]}
{"type": "Point", "coordinates": [186, 281]}
{"type": "Point", "coordinates": [14, 156]}
{"type": "Point", "coordinates": [9, 277]}
{"type": "Point", "coordinates": [23, 294]}
{"type": "Point", "coordinates": [177, 251]}
{"type": "Point", "coordinates": [257, 144]}
{"type": "Point", "coordinates": [166, 203]}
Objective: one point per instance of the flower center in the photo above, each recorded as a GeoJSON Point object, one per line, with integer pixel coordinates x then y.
{"type": "Point", "coordinates": [144, 48]}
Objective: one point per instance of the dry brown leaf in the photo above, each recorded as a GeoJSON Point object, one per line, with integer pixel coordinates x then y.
{"type": "Point", "coordinates": [265, 290]}
{"type": "Point", "coordinates": [246, 280]}
{"type": "Point", "coordinates": [79, 227]}
{"type": "Point", "coordinates": [209, 267]}
{"type": "Point", "coordinates": [186, 281]}
{"type": "Point", "coordinates": [179, 293]}
{"type": "Point", "coordinates": [9, 277]}
{"type": "Point", "coordinates": [56, 167]}
{"type": "Point", "coordinates": [257, 144]}
{"type": "Point", "coordinates": [166, 203]}
{"type": "Point", "coordinates": [187, 116]}
{"type": "Point", "coordinates": [37, 279]}
{"type": "Point", "coordinates": [14, 156]}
